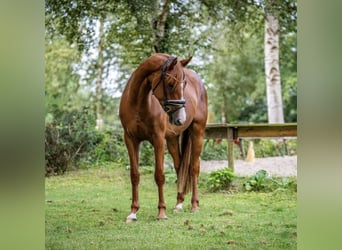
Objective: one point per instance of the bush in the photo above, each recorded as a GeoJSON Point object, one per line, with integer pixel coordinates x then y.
{"type": "Point", "coordinates": [284, 184]}
{"type": "Point", "coordinates": [220, 179]}
{"type": "Point", "coordinates": [68, 139]}
{"type": "Point", "coordinates": [257, 182]}
{"type": "Point", "coordinates": [272, 147]}
{"type": "Point", "coordinates": [214, 150]}
{"type": "Point", "coordinates": [110, 148]}
{"type": "Point", "coordinates": [146, 154]}
{"type": "Point", "coordinates": [261, 181]}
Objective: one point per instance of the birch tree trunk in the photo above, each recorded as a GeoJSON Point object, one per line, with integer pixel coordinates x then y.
{"type": "Point", "coordinates": [158, 26]}
{"type": "Point", "coordinates": [273, 83]}
{"type": "Point", "coordinates": [99, 108]}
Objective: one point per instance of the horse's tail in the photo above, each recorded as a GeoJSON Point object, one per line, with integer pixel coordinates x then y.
{"type": "Point", "coordinates": [184, 182]}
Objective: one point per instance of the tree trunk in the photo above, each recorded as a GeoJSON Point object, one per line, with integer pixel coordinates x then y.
{"type": "Point", "coordinates": [223, 111]}
{"type": "Point", "coordinates": [99, 107]}
{"type": "Point", "coordinates": [273, 84]}
{"type": "Point", "coordinates": [158, 27]}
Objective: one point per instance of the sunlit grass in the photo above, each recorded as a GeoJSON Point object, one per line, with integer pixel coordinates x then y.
{"type": "Point", "coordinates": [87, 209]}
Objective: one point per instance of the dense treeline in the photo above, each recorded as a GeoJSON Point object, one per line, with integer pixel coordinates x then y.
{"type": "Point", "coordinates": [93, 46]}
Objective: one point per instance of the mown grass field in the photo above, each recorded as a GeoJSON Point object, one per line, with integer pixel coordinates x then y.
{"type": "Point", "coordinates": [86, 209]}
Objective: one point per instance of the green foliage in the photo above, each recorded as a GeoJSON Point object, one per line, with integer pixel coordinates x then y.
{"type": "Point", "coordinates": [257, 182]}
{"type": "Point", "coordinates": [235, 77]}
{"type": "Point", "coordinates": [71, 141]}
{"type": "Point", "coordinates": [220, 179]}
{"type": "Point", "coordinates": [146, 155]}
{"type": "Point", "coordinates": [261, 181]}
{"type": "Point", "coordinates": [225, 38]}
{"type": "Point", "coordinates": [61, 78]}
{"type": "Point", "coordinates": [110, 148]}
{"type": "Point", "coordinates": [69, 138]}
{"type": "Point", "coordinates": [284, 184]}
{"type": "Point", "coordinates": [214, 150]}
{"type": "Point", "coordinates": [217, 149]}
{"type": "Point", "coordinates": [269, 147]}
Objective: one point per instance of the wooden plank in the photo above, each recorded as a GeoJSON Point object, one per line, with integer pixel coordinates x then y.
{"type": "Point", "coordinates": [214, 131]}
{"type": "Point", "coordinates": [232, 132]}
{"type": "Point", "coordinates": [219, 132]}
{"type": "Point", "coordinates": [267, 131]}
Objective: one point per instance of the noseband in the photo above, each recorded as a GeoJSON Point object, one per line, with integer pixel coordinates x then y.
{"type": "Point", "coordinates": [169, 106]}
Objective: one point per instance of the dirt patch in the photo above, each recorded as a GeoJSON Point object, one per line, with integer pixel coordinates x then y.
{"type": "Point", "coordinates": [275, 166]}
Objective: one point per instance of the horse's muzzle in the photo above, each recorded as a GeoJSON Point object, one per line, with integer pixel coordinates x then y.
{"type": "Point", "coordinates": [176, 111]}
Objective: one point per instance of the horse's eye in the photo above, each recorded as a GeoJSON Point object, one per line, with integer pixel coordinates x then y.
{"type": "Point", "coordinates": [170, 86]}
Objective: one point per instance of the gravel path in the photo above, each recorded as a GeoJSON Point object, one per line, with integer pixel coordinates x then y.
{"type": "Point", "coordinates": [275, 166]}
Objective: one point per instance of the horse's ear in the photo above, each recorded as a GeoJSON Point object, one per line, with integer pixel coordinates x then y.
{"type": "Point", "coordinates": [185, 62]}
{"type": "Point", "coordinates": [172, 63]}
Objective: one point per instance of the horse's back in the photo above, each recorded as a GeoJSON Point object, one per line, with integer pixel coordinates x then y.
{"type": "Point", "coordinates": [198, 94]}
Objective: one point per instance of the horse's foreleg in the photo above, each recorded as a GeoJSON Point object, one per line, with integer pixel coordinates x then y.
{"type": "Point", "coordinates": [133, 152]}
{"type": "Point", "coordinates": [159, 175]}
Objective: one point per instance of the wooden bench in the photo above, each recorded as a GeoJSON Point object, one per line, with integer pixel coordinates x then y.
{"type": "Point", "coordinates": [233, 132]}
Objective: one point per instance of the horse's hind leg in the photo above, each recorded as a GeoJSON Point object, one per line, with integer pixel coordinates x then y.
{"type": "Point", "coordinates": [133, 152]}
{"type": "Point", "coordinates": [197, 141]}
{"type": "Point", "coordinates": [173, 148]}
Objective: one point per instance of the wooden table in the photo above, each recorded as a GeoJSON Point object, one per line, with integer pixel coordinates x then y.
{"type": "Point", "coordinates": [233, 132]}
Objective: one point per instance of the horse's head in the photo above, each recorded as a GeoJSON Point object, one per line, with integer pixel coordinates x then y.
{"type": "Point", "coordinates": [168, 86]}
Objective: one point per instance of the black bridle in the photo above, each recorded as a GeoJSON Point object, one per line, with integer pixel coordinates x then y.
{"type": "Point", "coordinates": [169, 106]}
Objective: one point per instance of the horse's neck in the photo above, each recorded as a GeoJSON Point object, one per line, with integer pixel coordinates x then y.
{"type": "Point", "coordinates": [139, 89]}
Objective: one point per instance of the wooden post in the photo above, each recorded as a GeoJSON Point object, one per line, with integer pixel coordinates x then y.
{"type": "Point", "coordinates": [230, 139]}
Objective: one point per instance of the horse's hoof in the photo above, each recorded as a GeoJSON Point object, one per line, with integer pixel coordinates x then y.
{"type": "Point", "coordinates": [194, 210]}
{"type": "Point", "coordinates": [163, 218]}
{"type": "Point", "coordinates": [129, 220]}
{"type": "Point", "coordinates": [177, 210]}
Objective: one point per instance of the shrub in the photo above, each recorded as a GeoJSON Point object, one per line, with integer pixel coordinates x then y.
{"type": "Point", "coordinates": [257, 182]}
{"type": "Point", "coordinates": [146, 154]}
{"type": "Point", "coordinates": [283, 184]}
{"type": "Point", "coordinates": [69, 138]}
{"type": "Point", "coordinates": [271, 147]}
{"type": "Point", "coordinates": [220, 179]}
{"type": "Point", "coordinates": [214, 150]}
{"type": "Point", "coordinates": [261, 181]}
{"type": "Point", "coordinates": [110, 148]}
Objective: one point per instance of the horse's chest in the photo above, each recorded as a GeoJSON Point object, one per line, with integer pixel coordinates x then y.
{"type": "Point", "coordinates": [139, 128]}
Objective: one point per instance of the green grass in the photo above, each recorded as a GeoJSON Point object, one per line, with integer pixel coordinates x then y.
{"type": "Point", "coordinates": [86, 209]}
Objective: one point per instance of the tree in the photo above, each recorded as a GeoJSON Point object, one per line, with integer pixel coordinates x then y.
{"type": "Point", "coordinates": [84, 25]}
{"type": "Point", "coordinates": [61, 78]}
{"type": "Point", "coordinates": [235, 72]}
{"type": "Point", "coordinates": [99, 78]}
{"type": "Point", "coordinates": [276, 11]}
{"type": "Point", "coordinates": [223, 36]}
{"type": "Point", "coordinates": [159, 25]}
{"type": "Point", "coordinates": [272, 71]}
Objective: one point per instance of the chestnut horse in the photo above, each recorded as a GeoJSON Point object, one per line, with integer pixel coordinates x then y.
{"type": "Point", "coordinates": [165, 101]}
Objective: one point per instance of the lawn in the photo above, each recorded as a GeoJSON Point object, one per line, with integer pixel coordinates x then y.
{"type": "Point", "coordinates": [86, 209]}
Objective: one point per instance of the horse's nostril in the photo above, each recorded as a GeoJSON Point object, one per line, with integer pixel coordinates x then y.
{"type": "Point", "coordinates": [179, 122]}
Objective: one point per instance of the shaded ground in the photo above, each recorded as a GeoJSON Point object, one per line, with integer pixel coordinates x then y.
{"type": "Point", "coordinates": [275, 166]}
